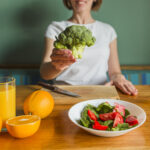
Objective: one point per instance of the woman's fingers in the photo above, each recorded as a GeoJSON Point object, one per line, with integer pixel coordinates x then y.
{"type": "Point", "coordinates": [62, 62]}
{"type": "Point", "coordinates": [124, 85]}
{"type": "Point", "coordinates": [61, 65]}
{"type": "Point", "coordinates": [63, 51]}
{"type": "Point", "coordinates": [109, 83]}
{"type": "Point", "coordinates": [62, 57]}
{"type": "Point", "coordinates": [123, 88]}
{"type": "Point", "coordinates": [130, 87]}
{"type": "Point", "coordinates": [127, 88]}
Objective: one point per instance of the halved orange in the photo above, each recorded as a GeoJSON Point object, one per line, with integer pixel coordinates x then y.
{"type": "Point", "coordinates": [23, 126]}
{"type": "Point", "coordinates": [0, 124]}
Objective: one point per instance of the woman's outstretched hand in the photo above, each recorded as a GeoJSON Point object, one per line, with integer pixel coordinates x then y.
{"type": "Point", "coordinates": [62, 59]}
{"type": "Point", "coordinates": [124, 85]}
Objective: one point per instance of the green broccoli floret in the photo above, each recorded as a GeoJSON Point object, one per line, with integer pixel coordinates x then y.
{"type": "Point", "coordinates": [75, 38]}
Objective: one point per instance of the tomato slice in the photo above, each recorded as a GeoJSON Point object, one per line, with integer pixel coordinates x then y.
{"type": "Point", "coordinates": [119, 108]}
{"type": "Point", "coordinates": [92, 115]}
{"type": "Point", "coordinates": [131, 120]}
{"type": "Point", "coordinates": [108, 116]}
{"type": "Point", "coordinates": [98, 126]}
{"type": "Point", "coordinates": [118, 120]}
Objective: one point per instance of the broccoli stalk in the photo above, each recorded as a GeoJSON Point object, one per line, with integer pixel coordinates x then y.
{"type": "Point", "coordinates": [75, 38]}
{"type": "Point", "coordinates": [78, 50]}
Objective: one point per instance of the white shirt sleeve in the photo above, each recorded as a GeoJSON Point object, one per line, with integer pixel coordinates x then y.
{"type": "Point", "coordinates": [113, 34]}
{"type": "Point", "coordinates": [52, 31]}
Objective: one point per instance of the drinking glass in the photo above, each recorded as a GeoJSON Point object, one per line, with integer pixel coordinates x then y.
{"type": "Point", "coordinates": [7, 99]}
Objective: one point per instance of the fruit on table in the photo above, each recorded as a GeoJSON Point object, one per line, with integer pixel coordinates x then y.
{"type": "Point", "coordinates": [23, 126]}
{"type": "Point", "coordinates": [39, 103]}
{"type": "Point", "coordinates": [0, 124]}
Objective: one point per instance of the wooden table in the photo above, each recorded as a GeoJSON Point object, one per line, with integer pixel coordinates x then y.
{"type": "Point", "coordinates": [57, 132]}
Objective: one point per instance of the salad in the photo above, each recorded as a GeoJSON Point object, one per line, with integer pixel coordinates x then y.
{"type": "Point", "coordinates": [107, 117]}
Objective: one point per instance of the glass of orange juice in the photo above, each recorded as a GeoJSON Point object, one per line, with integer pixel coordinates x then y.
{"type": "Point", "coordinates": [7, 99]}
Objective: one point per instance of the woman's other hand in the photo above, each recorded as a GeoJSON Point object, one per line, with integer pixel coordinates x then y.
{"type": "Point", "coordinates": [114, 71]}
{"type": "Point", "coordinates": [123, 84]}
{"type": "Point", "coordinates": [62, 59]}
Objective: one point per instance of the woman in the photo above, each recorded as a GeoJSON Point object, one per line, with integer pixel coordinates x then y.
{"type": "Point", "coordinates": [96, 61]}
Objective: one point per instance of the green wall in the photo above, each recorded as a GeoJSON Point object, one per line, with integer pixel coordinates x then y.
{"type": "Point", "coordinates": [23, 24]}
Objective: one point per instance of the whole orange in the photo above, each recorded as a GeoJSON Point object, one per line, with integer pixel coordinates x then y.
{"type": "Point", "coordinates": [39, 103]}
{"type": "Point", "coordinates": [23, 126]}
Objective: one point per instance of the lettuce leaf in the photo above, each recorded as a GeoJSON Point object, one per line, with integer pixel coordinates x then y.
{"type": "Point", "coordinates": [104, 108]}
{"type": "Point", "coordinates": [127, 113]}
{"type": "Point", "coordinates": [85, 119]}
{"type": "Point", "coordinates": [85, 122]}
{"type": "Point", "coordinates": [120, 127]}
{"type": "Point", "coordinates": [108, 123]}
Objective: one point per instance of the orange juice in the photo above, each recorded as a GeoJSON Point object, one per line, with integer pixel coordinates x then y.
{"type": "Point", "coordinates": [7, 102]}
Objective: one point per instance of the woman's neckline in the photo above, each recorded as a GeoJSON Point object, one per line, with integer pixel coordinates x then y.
{"type": "Point", "coordinates": [81, 23]}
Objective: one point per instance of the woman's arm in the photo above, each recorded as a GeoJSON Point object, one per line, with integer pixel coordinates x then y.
{"type": "Point", "coordinates": [113, 63]}
{"type": "Point", "coordinates": [54, 61]}
{"type": "Point", "coordinates": [115, 74]}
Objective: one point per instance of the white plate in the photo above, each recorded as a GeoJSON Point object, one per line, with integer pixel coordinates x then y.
{"type": "Point", "coordinates": [75, 112]}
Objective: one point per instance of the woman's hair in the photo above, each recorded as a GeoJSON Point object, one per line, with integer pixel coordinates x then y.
{"type": "Point", "coordinates": [96, 4]}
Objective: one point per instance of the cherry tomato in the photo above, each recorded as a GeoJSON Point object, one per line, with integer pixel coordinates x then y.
{"type": "Point", "coordinates": [118, 120]}
{"type": "Point", "coordinates": [108, 116]}
{"type": "Point", "coordinates": [98, 126]}
{"type": "Point", "coordinates": [119, 108]}
{"type": "Point", "coordinates": [92, 115]}
{"type": "Point", "coordinates": [131, 120]}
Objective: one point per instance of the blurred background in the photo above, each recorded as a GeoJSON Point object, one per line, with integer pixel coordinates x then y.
{"type": "Point", "coordinates": [23, 24]}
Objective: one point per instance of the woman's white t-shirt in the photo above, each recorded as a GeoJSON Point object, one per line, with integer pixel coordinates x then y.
{"type": "Point", "coordinates": [92, 68]}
